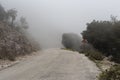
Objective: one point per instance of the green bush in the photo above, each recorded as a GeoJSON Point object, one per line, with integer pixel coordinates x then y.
{"type": "Point", "coordinates": [112, 74]}
{"type": "Point", "coordinates": [94, 55]}
{"type": "Point", "coordinates": [105, 37]}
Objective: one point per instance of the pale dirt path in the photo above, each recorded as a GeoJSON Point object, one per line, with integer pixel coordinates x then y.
{"type": "Point", "coordinates": [52, 64]}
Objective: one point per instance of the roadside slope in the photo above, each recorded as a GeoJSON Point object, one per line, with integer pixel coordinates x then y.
{"type": "Point", "coordinates": [53, 64]}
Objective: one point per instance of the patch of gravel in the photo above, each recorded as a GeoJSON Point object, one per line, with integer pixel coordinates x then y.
{"type": "Point", "coordinates": [53, 64]}
{"type": "Point", "coordinates": [7, 63]}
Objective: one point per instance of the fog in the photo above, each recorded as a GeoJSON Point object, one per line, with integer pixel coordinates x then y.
{"type": "Point", "coordinates": [49, 19]}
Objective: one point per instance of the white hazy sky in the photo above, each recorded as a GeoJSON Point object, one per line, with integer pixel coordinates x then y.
{"type": "Point", "coordinates": [48, 19]}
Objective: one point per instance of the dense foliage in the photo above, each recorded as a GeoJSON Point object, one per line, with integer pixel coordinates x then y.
{"type": "Point", "coordinates": [105, 36]}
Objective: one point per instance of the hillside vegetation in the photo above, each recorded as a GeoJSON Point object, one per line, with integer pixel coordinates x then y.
{"type": "Point", "coordinates": [13, 36]}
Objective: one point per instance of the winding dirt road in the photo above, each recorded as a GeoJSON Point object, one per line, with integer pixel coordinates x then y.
{"type": "Point", "coordinates": [52, 64]}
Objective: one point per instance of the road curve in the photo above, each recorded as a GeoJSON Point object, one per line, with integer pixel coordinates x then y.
{"type": "Point", "coordinates": [52, 64]}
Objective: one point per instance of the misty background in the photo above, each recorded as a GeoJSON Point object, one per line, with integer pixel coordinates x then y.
{"type": "Point", "coordinates": [49, 19]}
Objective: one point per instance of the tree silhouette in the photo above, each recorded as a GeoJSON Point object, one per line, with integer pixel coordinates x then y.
{"type": "Point", "coordinates": [12, 13]}
{"type": "Point", "coordinates": [24, 23]}
{"type": "Point", "coordinates": [2, 13]}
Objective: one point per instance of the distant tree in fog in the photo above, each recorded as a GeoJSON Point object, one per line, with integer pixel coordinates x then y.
{"type": "Point", "coordinates": [2, 13]}
{"type": "Point", "coordinates": [71, 41]}
{"type": "Point", "coordinates": [12, 14]}
{"type": "Point", "coordinates": [23, 23]}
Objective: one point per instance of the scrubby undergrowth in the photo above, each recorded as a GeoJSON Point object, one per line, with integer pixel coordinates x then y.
{"type": "Point", "coordinates": [111, 74]}
{"type": "Point", "coordinates": [13, 42]}
{"type": "Point", "coordinates": [94, 55]}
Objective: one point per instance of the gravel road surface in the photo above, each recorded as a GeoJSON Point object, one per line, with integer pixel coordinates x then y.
{"type": "Point", "coordinates": [52, 64]}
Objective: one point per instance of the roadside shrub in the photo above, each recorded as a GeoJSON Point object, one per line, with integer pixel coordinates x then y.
{"type": "Point", "coordinates": [94, 55]}
{"type": "Point", "coordinates": [112, 74]}
{"type": "Point", "coordinates": [104, 36]}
